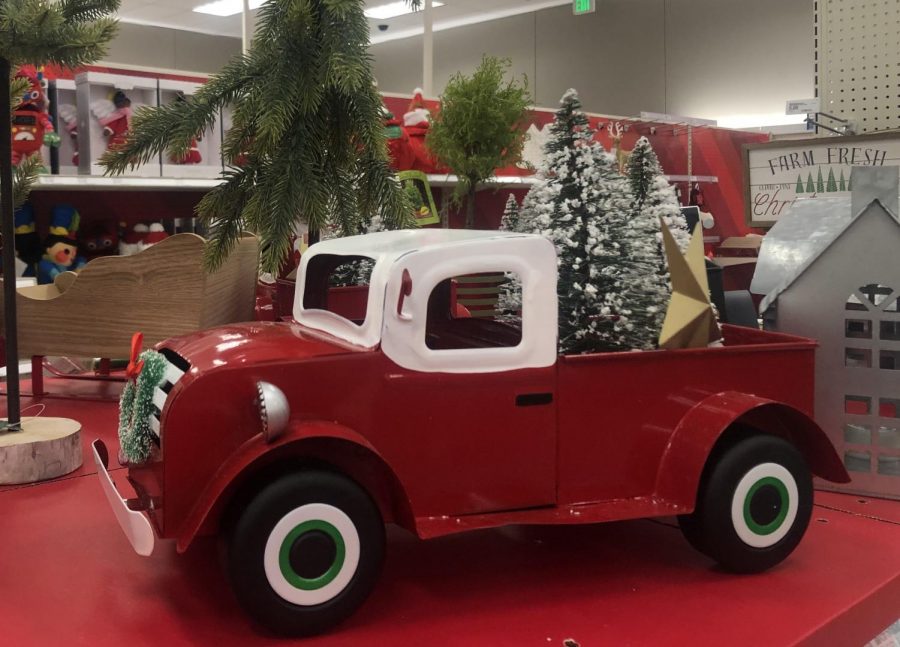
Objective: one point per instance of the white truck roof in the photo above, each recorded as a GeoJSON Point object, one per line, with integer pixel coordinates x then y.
{"type": "Point", "coordinates": [432, 255]}
{"type": "Point", "coordinates": [391, 245]}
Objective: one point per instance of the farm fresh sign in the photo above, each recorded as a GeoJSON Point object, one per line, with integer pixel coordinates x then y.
{"type": "Point", "coordinates": [777, 173]}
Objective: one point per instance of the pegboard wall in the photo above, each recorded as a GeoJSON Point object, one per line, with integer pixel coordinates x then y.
{"type": "Point", "coordinates": [858, 61]}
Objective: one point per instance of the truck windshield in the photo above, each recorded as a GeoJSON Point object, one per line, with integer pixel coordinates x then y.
{"type": "Point", "coordinates": [339, 284]}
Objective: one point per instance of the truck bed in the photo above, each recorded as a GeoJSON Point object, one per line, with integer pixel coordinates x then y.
{"type": "Point", "coordinates": [624, 407]}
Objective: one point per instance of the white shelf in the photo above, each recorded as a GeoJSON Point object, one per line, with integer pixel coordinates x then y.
{"type": "Point", "coordinates": [505, 181]}
{"type": "Point", "coordinates": [103, 183]}
{"type": "Point", "coordinates": [692, 178]}
{"type": "Point", "coordinates": [512, 181]}
{"type": "Point", "coordinates": [100, 183]}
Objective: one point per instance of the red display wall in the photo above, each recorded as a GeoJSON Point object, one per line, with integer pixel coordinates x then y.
{"type": "Point", "coordinates": [714, 152]}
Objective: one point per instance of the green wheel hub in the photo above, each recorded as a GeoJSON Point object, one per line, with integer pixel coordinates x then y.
{"type": "Point", "coordinates": [312, 533]}
{"type": "Point", "coordinates": [766, 506]}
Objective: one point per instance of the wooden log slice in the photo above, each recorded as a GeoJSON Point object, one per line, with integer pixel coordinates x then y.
{"type": "Point", "coordinates": [44, 449]}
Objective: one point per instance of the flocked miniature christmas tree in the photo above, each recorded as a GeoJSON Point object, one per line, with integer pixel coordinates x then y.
{"type": "Point", "coordinates": [509, 302]}
{"type": "Point", "coordinates": [611, 294]}
{"type": "Point", "coordinates": [654, 197]}
{"type": "Point", "coordinates": [510, 219]}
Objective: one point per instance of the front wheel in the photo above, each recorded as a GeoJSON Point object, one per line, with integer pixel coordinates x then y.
{"type": "Point", "coordinates": [754, 505]}
{"type": "Point", "coordinates": [305, 552]}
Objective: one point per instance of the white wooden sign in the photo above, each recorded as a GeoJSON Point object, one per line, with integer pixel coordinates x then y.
{"type": "Point", "coordinates": [777, 173]}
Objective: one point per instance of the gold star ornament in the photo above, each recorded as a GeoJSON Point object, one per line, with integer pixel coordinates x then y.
{"type": "Point", "coordinates": [690, 319]}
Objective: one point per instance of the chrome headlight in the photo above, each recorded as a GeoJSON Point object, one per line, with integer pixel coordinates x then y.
{"type": "Point", "coordinates": [274, 410]}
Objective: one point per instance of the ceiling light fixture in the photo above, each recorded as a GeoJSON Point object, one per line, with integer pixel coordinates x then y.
{"type": "Point", "coordinates": [226, 7]}
{"type": "Point", "coordinates": [393, 9]}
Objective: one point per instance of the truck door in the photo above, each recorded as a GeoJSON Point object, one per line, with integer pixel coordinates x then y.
{"type": "Point", "coordinates": [483, 425]}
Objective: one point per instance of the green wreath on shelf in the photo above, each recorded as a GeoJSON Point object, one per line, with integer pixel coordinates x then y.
{"type": "Point", "coordinates": [136, 405]}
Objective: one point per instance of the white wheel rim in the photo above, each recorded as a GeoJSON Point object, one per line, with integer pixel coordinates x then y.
{"type": "Point", "coordinates": [320, 513]}
{"type": "Point", "coordinates": [751, 533]}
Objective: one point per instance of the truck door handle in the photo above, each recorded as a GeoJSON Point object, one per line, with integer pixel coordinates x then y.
{"type": "Point", "coordinates": [533, 399]}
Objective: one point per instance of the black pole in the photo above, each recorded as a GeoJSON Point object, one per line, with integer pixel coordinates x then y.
{"type": "Point", "coordinates": [9, 251]}
{"type": "Point", "coordinates": [53, 100]}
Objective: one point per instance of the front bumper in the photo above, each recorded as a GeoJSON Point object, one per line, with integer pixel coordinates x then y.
{"type": "Point", "coordinates": [136, 525]}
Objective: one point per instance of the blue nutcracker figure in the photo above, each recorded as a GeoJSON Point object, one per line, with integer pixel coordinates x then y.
{"type": "Point", "coordinates": [60, 245]}
{"type": "Point", "coordinates": [28, 243]}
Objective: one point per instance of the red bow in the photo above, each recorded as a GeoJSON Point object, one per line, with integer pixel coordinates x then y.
{"type": "Point", "coordinates": [134, 364]}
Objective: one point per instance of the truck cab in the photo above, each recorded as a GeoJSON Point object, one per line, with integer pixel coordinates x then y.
{"type": "Point", "coordinates": [385, 401]}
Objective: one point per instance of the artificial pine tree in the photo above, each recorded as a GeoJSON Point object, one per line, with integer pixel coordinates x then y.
{"type": "Point", "coordinates": [479, 127]}
{"type": "Point", "coordinates": [308, 124]}
{"type": "Point", "coordinates": [799, 188]}
{"type": "Point", "coordinates": [810, 187]}
{"type": "Point", "coordinates": [68, 33]}
{"type": "Point", "coordinates": [820, 182]}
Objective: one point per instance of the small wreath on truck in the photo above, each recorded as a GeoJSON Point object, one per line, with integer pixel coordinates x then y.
{"type": "Point", "coordinates": [136, 406]}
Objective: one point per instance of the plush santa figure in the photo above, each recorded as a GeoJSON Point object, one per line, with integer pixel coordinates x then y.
{"type": "Point", "coordinates": [68, 114]}
{"type": "Point", "coordinates": [193, 155]}
{"type": "Point", "coordinates": [417, 115]}
{"type": "Point", "coordinates": [115, 117]}
{"type": "Point", "coordinates": [155, 234]}
{"type": "Point", "coordinates": [401, 155]}
{"type": "Point", "coordinates": [140, 237]}
{"type": "Point", "coordinates": [416, 122]}
{"type": "Point", "coordinates": [132, 240]}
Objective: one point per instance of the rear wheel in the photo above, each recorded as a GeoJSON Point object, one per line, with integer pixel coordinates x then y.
{"type": "Point", "coordinates": [305, 552]}
{"type": "Point", "coordinates": [754, 505]}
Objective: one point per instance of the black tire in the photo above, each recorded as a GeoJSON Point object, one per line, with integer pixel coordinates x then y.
{"type": "Point", "coordinates": [690, 528]}
{"type": "Point", "coordinates": [305, 552]}
{"type": "Point", "coordinates": [754, 505]}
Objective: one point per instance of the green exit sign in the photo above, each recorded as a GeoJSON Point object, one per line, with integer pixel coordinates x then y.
{"type": "Point", "coordinates": [583, 6]}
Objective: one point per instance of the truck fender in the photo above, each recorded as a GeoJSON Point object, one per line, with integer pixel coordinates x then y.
{"type": "Point", "coordinates": [722, 414]}
{"type": "Point", "coordinates": [328, 442]}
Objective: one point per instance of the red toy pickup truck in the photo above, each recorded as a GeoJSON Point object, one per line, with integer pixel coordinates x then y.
{"type": "Point", "coordinates": [300, 440]}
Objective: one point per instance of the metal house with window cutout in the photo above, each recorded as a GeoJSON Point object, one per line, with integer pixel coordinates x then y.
{"type": "Point", "coordinates": [830, 270]}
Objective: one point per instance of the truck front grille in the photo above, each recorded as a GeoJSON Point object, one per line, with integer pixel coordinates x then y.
{"type": "Point", "coordinates": [176, 366]}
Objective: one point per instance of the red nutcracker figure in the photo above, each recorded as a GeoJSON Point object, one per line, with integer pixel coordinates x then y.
{"type": "Point", "coordinates": [31, 125]}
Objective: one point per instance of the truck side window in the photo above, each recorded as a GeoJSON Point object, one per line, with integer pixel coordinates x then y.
{"type": "Point", "coordinates": [339, 284]}
{"type": "Point", "coordinates": [475, 311]}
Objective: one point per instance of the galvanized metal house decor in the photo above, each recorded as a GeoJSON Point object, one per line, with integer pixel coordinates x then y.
{"type": "Point", "coordinates": [830, 270]}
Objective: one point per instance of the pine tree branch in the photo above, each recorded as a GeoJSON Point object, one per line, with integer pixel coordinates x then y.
{"type": "Point", "coordinates": [87, 10]}
{"type": "Point", "coordinates": [25, 176]}
{"type": "Point", "coordinates": [172, 127]}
